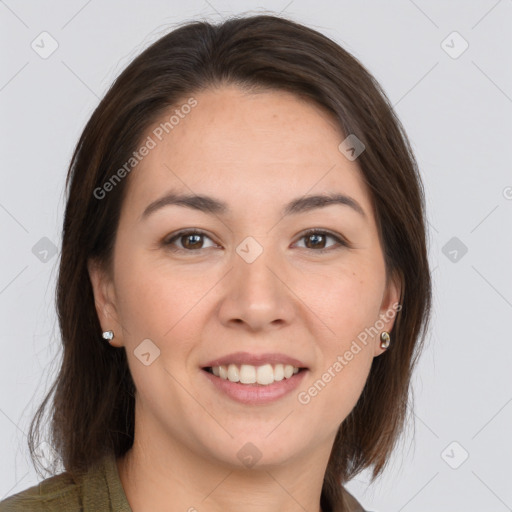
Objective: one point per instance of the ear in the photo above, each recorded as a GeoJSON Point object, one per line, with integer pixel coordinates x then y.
{"type": "Point", "coordinates": [105, 301]}
{"type": "Point", "coordinates": [390, 307]}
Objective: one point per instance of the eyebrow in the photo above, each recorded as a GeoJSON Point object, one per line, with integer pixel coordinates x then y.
{"type": "Point", "coordinates": [213, 206]}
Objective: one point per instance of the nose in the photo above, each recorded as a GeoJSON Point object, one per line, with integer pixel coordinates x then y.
{"type": "Point", "coordinates": [258, 295]}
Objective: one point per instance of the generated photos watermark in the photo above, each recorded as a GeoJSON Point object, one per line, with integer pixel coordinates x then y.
{"type": "Point", "coordinates": [149, 143]}
{"type": "Point", "coordinates": [305, 397]}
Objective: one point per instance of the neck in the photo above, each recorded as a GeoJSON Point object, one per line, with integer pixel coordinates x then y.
{"type": "Point", "coordinates": [167, 476]}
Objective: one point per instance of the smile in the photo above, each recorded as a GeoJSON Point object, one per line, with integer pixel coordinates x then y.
{"type": "Point", "coordinates": [255, 392]}
{"type": "Point", "coordinates": [248, 374]}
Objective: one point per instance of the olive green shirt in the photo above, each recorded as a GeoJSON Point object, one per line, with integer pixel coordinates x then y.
{"type": "Point", "coordinates": [97, 490]}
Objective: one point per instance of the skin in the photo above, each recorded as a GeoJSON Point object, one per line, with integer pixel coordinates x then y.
{"type": "Point", "coordinates": [256, 152]}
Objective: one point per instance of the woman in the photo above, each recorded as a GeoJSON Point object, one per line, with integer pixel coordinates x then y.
{"type": "Point", "coordinates": [244, 286]}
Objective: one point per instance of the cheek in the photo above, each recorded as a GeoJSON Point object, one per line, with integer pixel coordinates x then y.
{"type": "Point", "coordinates": [348, 303]}
{"type": "Point", "coordinates": [145, 295]}
{"type": "Point", "coordinates": [337, 385]}
{"type": "Point", "coordinates": [346, 300]}
{"type": "Point", "coordinates": [156, 305]}
{"type": "Point", "coordinates": [160, 304]}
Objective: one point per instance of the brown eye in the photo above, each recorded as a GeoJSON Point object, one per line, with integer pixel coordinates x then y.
{"type": "Point", "coordinates": [316, 241]}
{"type": "Point", "coordinates": [191, 240]}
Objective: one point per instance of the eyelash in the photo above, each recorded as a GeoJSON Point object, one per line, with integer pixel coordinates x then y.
{"type": "Point", "coordinates": [340, 240]}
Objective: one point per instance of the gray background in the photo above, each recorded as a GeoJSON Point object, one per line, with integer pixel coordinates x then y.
{"type": "Point", "coordinates": [457, 110]}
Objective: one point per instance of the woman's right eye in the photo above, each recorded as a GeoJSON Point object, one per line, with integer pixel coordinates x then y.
{"type": "Point", "coordinates": [190, 240]}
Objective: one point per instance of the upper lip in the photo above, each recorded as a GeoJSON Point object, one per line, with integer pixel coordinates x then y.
{"type": "Point", "coordinates": [240, 358]}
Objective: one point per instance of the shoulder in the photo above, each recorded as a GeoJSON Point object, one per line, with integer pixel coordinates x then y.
{"type": "Point", "coordinates": [98, 488]}
{"type": "Point", "coordinates": [60, 492]}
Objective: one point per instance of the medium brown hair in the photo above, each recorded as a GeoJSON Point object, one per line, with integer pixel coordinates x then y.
{"type": "Point", "coordinates": [92, 409]}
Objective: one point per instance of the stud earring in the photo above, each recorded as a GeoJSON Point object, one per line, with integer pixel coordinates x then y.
{"type": "Point", "coordinates": [385, 339]}
{"type": "Point", "coordinates": [108, 335]}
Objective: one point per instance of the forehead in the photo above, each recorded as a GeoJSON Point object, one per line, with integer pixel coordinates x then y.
{"type": "Point", "coordinates": [261, 146]}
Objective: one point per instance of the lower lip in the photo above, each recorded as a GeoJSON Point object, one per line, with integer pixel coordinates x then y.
{"type": "Point", "coordinates": [254, 394]}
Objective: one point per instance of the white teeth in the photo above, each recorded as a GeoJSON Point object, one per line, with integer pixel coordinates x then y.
{"type": "Point", "coordinates": [288, 370]}
{"type": "Point", "coordinates": [248, 374]}
{"type": "Point", "coordinates": [233, 374]}
{"type": "Point", "coordinates": [278, 372]}
{"type": "Point", "coordinates": [265, 374]}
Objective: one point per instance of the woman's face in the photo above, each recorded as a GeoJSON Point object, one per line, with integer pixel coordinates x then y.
{"type": "Point", "coordinates": [249, 280]}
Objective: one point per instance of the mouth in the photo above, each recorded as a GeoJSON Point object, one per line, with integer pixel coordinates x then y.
{"type": "Point", "coordinates": [263, 375]}
{"type": "Point", "coordinates": [254, 385]}
{"type": "Point", "coordinates": [254, 378]}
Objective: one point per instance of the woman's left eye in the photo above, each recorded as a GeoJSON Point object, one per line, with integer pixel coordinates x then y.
{"type": "Point", "coordinates": [315, 240]}
{"type": "Point", "coordinates": [316, 237]}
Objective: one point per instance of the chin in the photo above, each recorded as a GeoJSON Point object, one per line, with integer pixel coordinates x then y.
{"type": "Point", "coordinates": [251, 451]}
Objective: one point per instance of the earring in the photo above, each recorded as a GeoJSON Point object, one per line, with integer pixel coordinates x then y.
{"type": "Point", "coordinates": [385, 339]}
{"type": "Point", "coordinates": [108, 335]}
